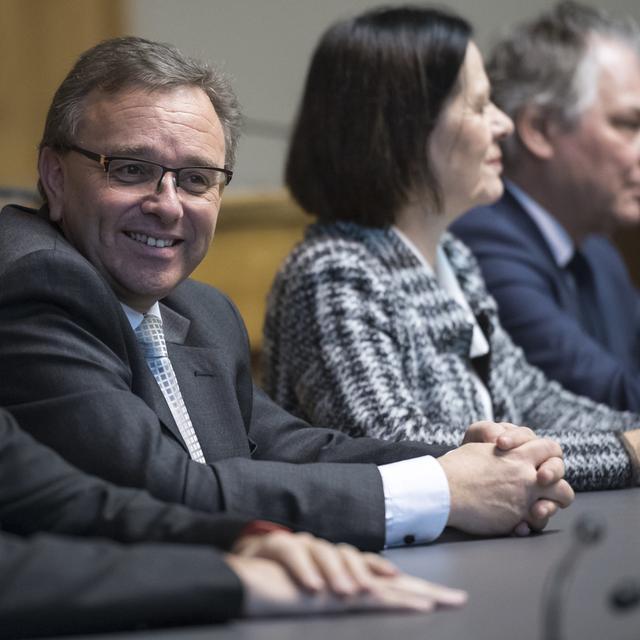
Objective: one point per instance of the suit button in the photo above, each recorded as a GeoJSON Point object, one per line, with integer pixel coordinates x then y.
{"type": "Point", "coordinates": [409, 539]}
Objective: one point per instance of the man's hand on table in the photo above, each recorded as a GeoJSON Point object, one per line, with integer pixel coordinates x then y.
{"type": "Point", "coordinates": [504, 479]}
{"type": "Point", "coordinates": [284, 572]}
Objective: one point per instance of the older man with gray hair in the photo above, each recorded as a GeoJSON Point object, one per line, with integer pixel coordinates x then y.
{"type": "Point", "coordinates": [570, 80]}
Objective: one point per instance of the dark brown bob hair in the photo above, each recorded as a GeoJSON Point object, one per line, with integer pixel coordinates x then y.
{"type": "Point", "coordinates": [375, 88]}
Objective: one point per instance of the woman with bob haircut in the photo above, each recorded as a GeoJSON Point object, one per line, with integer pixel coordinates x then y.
{"type": "Point", "coordinates": [380, 320]}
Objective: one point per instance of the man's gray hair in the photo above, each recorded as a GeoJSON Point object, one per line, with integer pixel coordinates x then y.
{"type": "Point", "coordinates": [549, 62]}
{"type": "Point", "coordinates": [129, 62]}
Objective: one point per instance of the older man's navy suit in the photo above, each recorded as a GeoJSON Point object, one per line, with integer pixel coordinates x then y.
{"type": "Point", "coordinates": [538, 308]}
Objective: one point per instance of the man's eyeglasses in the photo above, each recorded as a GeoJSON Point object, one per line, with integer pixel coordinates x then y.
{"type": "Point", "coordinates": [143, 177]}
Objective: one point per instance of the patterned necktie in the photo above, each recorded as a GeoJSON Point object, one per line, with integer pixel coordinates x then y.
{"type": "Point", "coordinates": [151, 338]}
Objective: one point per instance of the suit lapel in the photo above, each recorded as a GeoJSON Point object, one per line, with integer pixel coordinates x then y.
{"type": "Point", "coordinates": [176, 326]}
{"type": "Point", "coordinates": [537, 243]}
{"type": "Point", "coordinates": [207, 391]}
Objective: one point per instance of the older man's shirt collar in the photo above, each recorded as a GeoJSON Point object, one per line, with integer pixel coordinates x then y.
{"type": "Point", "coordinates": [558, 240]}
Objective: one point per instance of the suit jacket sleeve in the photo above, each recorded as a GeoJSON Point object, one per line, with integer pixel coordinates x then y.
{"type": "Point", "coordinates": [54, 585]}
{"type": "Point", "coordinates": [39, 491]}
{"type": "Point", "coordinates": [525, 286]}
{"type": "Point", "coordinates": [79, 391]}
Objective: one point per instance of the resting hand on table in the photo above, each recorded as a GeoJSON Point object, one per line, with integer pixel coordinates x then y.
{"type": "Point", "coordinates": [504, 479]}
{"type": "Point", "coordinates": [508, 436]}
{"type": "Point", "coordinates": [284, 572]}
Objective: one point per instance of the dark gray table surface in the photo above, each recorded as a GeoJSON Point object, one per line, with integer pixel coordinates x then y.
{"type": "Point", "coordinates": [505, 578]}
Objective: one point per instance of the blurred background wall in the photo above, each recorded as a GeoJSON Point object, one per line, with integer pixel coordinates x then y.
{"type": "Point", "coordinates": [39, 40]}
{"type": "Point", "coordinates": [265, 46]}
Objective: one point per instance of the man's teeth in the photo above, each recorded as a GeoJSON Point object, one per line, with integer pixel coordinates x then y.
{"type": "Point", "coordinates": [151, 241]}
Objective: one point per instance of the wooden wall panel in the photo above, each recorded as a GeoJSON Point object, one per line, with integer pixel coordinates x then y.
{"type": "Point", "coordinates": [39, 41]}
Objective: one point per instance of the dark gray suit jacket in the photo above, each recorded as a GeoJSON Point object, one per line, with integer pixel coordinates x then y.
{"type": "Point", "coordinates": [74, 376]}
{"type": "Point", "coordinates": [54, 584]}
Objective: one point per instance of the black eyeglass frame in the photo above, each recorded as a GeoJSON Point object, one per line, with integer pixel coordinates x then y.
{"type": "Point", "coordinates": [105, 161]}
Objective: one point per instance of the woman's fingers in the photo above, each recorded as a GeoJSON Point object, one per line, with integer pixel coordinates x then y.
{"type": "Point", "coordinates": [411, 593]}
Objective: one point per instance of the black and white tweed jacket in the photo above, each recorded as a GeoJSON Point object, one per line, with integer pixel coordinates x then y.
{"type": "Point", "coordinates": [359, 335]}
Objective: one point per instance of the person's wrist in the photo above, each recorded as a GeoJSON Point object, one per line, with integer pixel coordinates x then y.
{"type": "Point", "coordinates": [631, 441]}
{"type": "Point", "coordinates": [449, 465]}
{"type": "Point", "coordinates": [250, 535]}
{"type": "Point", "coordinates": [266, 585]}
{"type": "Point", "coordinates": [260, 528]}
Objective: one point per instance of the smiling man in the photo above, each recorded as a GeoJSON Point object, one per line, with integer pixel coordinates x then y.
{"type": "Point", "coordinates": [139, 375]}
{"type": "Point", "coordinates": [570, 80]}
{"type": "Point", "coordinates": [140, 234]}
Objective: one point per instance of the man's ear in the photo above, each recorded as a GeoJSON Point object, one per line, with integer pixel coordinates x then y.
{"type": "Point", "coordinates": [535, 130]}
{"type": "Point", "coordinates": [52, 177]}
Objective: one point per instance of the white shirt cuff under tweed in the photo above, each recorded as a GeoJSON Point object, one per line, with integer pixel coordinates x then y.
{"type": "Point", "coordinates": [416, 499]}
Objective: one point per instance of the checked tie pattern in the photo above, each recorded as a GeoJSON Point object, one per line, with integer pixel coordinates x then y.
{"type": "Point", "coordinates": [150, 336]}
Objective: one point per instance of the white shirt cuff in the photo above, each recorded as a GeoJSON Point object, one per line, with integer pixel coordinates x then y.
{"type": "Point", "coordinates": [416, 500]}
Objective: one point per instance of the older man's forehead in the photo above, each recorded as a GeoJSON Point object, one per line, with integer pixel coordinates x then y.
{"type": "Point", "coordinates": [619, 71]}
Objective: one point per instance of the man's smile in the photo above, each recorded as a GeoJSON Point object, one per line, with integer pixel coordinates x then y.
{"type": "Point", "coordinates": [151, 241]}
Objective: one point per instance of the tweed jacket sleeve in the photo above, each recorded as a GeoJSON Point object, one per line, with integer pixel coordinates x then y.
{"type": "Point", "coordinates": [589, 432]}
{"type": "Point", "coordinates": [357, 333]}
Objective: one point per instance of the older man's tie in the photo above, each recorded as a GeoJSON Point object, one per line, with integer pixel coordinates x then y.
{"type": "Point", "coordinates": [580, 279]}
{"type": "Point", "coordinates": [150, 336]}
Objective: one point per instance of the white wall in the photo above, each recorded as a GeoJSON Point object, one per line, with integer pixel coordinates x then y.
{"type": "Point", "coordinates": [265, 45]}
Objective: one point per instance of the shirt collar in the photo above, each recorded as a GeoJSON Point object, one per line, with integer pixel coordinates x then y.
{"type": "Point", "coordinates": [135, 318]}
{"type": "Point", "coordinates": [554, 234]}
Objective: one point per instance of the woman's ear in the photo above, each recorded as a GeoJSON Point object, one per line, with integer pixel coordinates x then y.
{"type": "Point", "coordinates": [534, 128]}
{"type": "Point", "coordinates": [52, 178]}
